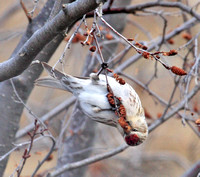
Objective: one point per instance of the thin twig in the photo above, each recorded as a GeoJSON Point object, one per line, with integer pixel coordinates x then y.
{"type": "Point", "coordinates": [46, 157]}
{"type": "Point", "coordinates": [26, 11]}
{"type": "Point", "coordinates": [17, 146]}
{"type": "Point", "coordinates": [26, 154]}
{"type": "Point", "coordinates": [47, 116]}
{"type": "Point", "coordinates": [69, 43]}
{"type": "Point", "coordinates": [193, 171]}
{"type": "Point", "coordinates": [29, 110]}
{"type": "Point", "coordinates": [88, 161]}
{"type": "Point", "coordinates": [176, 109]}
{"type": "Point", "coordinates": [98, 47]}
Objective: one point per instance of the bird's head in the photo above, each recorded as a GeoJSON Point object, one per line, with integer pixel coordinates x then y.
{"type": "Point", "coordinates": [138, 133]}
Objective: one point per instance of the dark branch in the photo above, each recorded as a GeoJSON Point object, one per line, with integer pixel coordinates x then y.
{"type": "Point", "coordinates": [134, 8]}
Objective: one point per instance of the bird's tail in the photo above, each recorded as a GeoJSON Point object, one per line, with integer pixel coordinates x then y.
{"type": "Point", "coordinates": [56, 79]}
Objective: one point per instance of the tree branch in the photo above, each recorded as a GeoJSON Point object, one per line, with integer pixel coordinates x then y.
{"type": "Point", "coordinates": [139, 7]}
{"type": "Point", "coordinates": [176, 109]}
{"type": "Point", "coordinates": [46, 117]}
{"type": "Point", "coordinates": [88, 161]}
{"type": "Point", "coordinates": [194, 171]}
{"type": "Point", "coordinates": [65, 18]}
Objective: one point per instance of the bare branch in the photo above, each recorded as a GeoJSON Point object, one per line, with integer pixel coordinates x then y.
{"type": "Point", "coordinates": [176, 109]}
{"type": "Point", "coordinates": [193, 171]}
{"type": "Point", "coordinates": [70, 13]}
{"type": "Point", "coordinates": [88, 161]}
{"type": "Point", "coordinates": [47, 116]}
{"type": "Point", "coordinates": [156, 42]}
{"type": "Point", "coordinates": [46, 157]}
{"type": "Point", "coordinates": [179, 5]}
{"type": "Point", "coordinates": [29, 17]}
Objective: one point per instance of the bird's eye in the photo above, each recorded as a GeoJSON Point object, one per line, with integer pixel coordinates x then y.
{"type": "Point", "coordinates": [135, 130]}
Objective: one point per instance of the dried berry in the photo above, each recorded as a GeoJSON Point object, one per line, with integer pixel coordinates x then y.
{"type": "Point", "coordinates": [49, 158]}
{"type": "Point", "coordinates": [144, 47]}
{"type": "Point", "coordinates": [170, 41]}
{"type": "Point", "coordinates": [137, 43]}
{"type": "Point", "coordinates": [109, 70]}
{"type": "Point", "coordinates": [130, 39]}
{"type": "Point", "coordinates": [82, 43]}
{"type": "Point", "coordinates": [122, 110]}
{"type": "Point", "coordinates": [146, 55]}
{"type": "Point", "coordinates": [122, 122]}
{"type": "Point", "coordinates": [78, 37]}
{"type": "Point", "coordinates": [159, 115]}
{"type": "Point", "coordinates": [115, 75]}
{"type": "Point", "coordinates": [172, 52]}
{"type": "Point", "coordinates": [93, 49]}
{"type": "Point", "coordinates": [187, 36]}
{"type": "Point", "coordinates": [198, 122]}
{"type": "Point", "coordinates": [195, 107]}
{"type": "Point", "coordinates": [147, 114]}
{"type": "Point", "coordinates": [122, 81]}
{"type": "Point", "coordinates": [157, 56]}
{"type": "Point", "coordinates": [109, 36]}
{"type": "Point", "coordinates": [88, 43]}
{"type": "Point", "coordinates": [119, 79]}
{"type": "Point", "coordinates": [178, 71]}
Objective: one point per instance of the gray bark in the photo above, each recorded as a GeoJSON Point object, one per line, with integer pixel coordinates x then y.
{"type": "Point", "coordinates": [194, 171]}
{"type": "Point", "coordinates": [26, 54]}
{"type": "Point", "coordinates": [33, 47]}
{"type": "Point", "coordinates": [11, 110]}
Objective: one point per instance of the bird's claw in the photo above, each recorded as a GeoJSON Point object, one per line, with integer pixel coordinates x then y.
{"type": "Point", "coordinates": [94, 77]}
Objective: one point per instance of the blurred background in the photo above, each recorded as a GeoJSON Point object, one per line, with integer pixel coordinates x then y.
{"type": "Point", "coordinates": [169, 150]}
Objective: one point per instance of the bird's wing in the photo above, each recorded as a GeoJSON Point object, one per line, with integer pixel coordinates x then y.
{"type": "Point", "coordinates": [80, 77]}
{"type": "Point", "coordinates": [55, 81]}
{"type": "Point", "coordinates": [53, 72]}
{"type": "Point", "coordinates": [49, 82]}
{"type": "Point", "coordinates": [61, 81]}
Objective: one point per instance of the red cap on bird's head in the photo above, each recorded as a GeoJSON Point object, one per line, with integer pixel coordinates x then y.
{"type": "Point", "coordinates": [132, 140]}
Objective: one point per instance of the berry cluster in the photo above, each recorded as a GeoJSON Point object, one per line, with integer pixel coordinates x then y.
{"type": "Point", "coordinates": [120, 110]}
{"type": "Point", "coordinates": [119, 79]}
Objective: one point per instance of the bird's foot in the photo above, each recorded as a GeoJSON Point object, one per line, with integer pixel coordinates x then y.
{"type": "Point", "coordinates": [94, 77]}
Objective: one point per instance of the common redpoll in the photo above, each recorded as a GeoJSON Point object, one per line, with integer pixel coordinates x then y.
{"type": "Point", "coordinates": [93, 96]}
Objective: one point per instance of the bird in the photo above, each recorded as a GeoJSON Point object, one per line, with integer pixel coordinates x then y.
{"type": "Point", "coordinates": [92, 94]}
